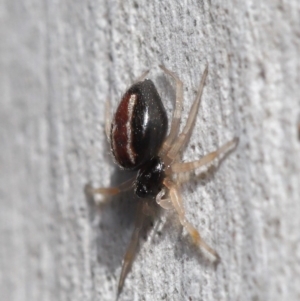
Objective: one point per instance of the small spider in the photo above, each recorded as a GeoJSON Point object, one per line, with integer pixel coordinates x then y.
{"type": "Point", "coordinates": [139, 141]}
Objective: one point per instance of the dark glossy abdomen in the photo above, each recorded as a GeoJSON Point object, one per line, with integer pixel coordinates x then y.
{"type": "Point", "coordinates": [139, 126]}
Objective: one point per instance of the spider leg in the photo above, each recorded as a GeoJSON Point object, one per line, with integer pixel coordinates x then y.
{"type": "Point", "coordinates": [182, 139]}
{"type": "Point", "coordinates": [109, 191]}
{"type": "Point", "coordinates": [165, 203]}
{"type": "Point", "coordinates": [190, 166]}
{"type": "Point", "coordinates": [132, 247]}
{"type": "Point", "coordinates": [178, 205]}
{"type": "Point", "coordinates": [177, 112]}
{"type": "Point", "coordinates": [141, 77]}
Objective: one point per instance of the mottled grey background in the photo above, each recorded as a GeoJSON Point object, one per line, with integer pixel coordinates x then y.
{"type": "Point", "coordinates": [60, 62]}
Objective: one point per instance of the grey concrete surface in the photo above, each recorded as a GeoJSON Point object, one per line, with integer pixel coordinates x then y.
{"type": "Point", "coordinates": [61, 60]}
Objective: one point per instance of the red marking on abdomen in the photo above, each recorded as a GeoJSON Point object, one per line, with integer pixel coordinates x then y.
{"type": "Point", "coordinates": [121, 133]}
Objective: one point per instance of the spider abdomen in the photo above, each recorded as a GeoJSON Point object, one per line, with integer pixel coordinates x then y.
{"type": "Point", "coordinates": [139, 126]}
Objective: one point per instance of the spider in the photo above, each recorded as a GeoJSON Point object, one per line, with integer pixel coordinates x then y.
{"type": "Point", "coordinates": [139, 139]}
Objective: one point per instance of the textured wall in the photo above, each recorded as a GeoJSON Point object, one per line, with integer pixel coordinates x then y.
{"type": "Point", "coordinates": [61, 60]}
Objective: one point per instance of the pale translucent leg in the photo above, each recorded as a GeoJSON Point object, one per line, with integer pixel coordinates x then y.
{"type": "Point", "coordinates": [110, 191]}
{"type": "Point", "coordinates": [141, 77]}
{"type": "Point", "coordinates": [165, 203]}
{"type": "Point", "coordinates": [182, 139]}
{"type": "Point", "coordinates": [132, 247]}
{"type": "Point", "coordinates": [178, 205]}
{"type": "Point", "coordinates": [177, 112]}
{"type": "Point", "coordinates": [189, 166]}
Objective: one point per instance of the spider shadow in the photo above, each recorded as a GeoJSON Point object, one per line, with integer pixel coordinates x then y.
{"type": "Point", "coordinates": [115, 219]}
{"type": "Point", "coordinates": [112, 219]}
